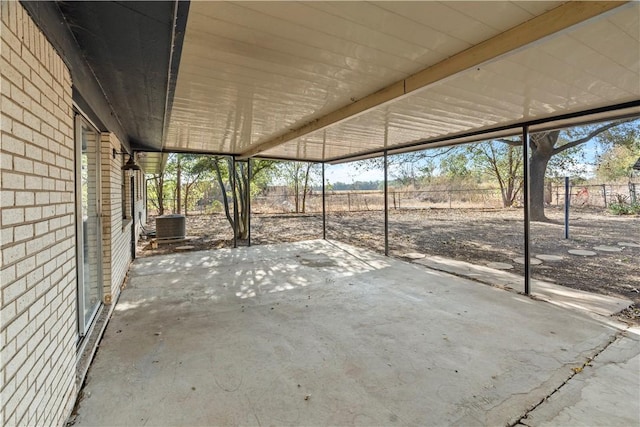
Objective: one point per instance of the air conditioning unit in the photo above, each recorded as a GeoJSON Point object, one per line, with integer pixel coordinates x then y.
{"type": "Point", "coordinates": [170, 226]}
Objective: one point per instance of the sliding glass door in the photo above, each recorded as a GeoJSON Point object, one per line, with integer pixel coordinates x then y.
{"type": "Point", "coordinates": [89, 227]}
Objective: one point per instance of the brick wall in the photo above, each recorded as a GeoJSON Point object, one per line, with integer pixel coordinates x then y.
{"type": "Point", "coordinates": [38, 329]}
{"type": "Point", "coordinates": [116, 230]}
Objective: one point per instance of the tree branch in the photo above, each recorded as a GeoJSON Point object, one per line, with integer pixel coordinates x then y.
{"type": "Point", "coordinates": [510, 142]}
{"type": "Point", "coordinates": [591, 135]}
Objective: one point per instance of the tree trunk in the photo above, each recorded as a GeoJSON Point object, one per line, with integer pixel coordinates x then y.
{"type": "Point", "coordinates": [187, 189]}
{"type": "Point", "coordinates": [296, 186]}
{"type": "Point", "coordinates": [186, 199]}
{"type": "Point", "coordinates": [159, 181]}
{"type": "Point", "coordinates": [543, 147]}
{"type": "Point", "coordinates": [296, 194]}
{"type": "Point", "coordinates": [241, 201]}
{"type": "Point", "coordinates": [305, 187]}
{"type": "Point", "coordinates": [548, 193]}
{"type": "Point", "coordinates": [503, 193]}
{"type": "Point", "coordinates": [538, 168]}
{"type": "Point", "coordinates": [223, 190]}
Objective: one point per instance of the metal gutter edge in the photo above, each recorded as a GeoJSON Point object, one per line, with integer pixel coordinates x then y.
{"type": "Point", "coordinates": [181, 13]}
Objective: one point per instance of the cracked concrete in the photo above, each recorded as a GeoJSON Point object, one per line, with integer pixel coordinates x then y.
{"type": "Point", "coordinates": [323, 333]}
{"type": "Point", "coordinates": [606, 392]}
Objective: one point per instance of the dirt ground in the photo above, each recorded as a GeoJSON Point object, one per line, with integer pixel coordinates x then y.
{"type": "Point", "coordinates": [473, 235]}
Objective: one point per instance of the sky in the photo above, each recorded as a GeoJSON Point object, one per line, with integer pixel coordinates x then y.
{"type": "Point", "coordinates": [347, 173]}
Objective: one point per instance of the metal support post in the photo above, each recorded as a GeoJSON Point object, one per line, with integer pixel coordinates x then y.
{"type": "Point", "coordinates": [527, 207]}
{"type": "Point", "coordinates": [324, 206]}
{"type": "Point", "coordinates": [386, 204]}
{"type": "Point", "coordinates": [232, 172]}
{"type": "Point", "coordinates": [249, 202]}
{"type": "Point", "coordinates": [567, 203]}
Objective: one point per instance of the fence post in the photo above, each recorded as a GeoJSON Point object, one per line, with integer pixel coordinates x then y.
{"type": "Point", "coordinates": [632, 192]}
{"type": "Point", "coordinates": [604, 194]}
{"type": "Point", "coordinates": [449, 196]}
{"type": "Point", "coordinates": [348, 202]}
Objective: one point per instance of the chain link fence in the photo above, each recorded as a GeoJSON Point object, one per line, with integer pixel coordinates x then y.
{"type": "Point", "coordinates": [600, 195]}
{"type": "Point", "coordinates": [373, 200]}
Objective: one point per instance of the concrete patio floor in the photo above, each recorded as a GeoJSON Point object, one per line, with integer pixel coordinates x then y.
{"type": "Point", "coordinates": [323, 333]}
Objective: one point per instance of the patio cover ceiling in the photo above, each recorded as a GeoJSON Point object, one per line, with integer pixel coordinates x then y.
{"type": "Point", "coordinates": [323, 81]}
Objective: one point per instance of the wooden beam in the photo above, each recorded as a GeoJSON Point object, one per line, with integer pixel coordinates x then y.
{"type": "Point", "coordinates": [547, 24]}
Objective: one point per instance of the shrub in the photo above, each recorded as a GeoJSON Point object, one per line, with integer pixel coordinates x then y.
{"type": "Point", "coordinates": [623, 208]}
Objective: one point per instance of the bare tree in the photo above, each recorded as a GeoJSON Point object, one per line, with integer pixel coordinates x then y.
{"type": "Point", "coordinates": [157, 198]}
{"type": "Point", "coordinates": [298, 176]}
{"type": "Point", "coordinates": [503, 162]}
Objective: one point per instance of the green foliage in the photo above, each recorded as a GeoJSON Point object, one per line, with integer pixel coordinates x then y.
{"type": "Point", "coordinates": [216, 207]}
{"type": "Point", "coordinates": [358, 185]}
{"type": "Point", "coordinates": [622, 206]}
{"type": "Point", "coordinates": [456, 165]}
{"type": "Point", "coordinates": [617, 161]}
{"type": "Point", "coordinates": [571, 162]}
{"type": "Point", "coordinates": [614, 146]}
{"type": "Point", "coordinates": [200, 188]}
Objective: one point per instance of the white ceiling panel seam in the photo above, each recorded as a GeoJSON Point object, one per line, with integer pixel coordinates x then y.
{"type": "Point", "coordinates": [333, 46]}
{"type": "Point", "coordinates": [259, 84]}
{"type": "Point", "coordinates": [533, 30]}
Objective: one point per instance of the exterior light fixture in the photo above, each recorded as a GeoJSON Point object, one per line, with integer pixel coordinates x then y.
{"type": "Point", "coordinates": [131, 165]}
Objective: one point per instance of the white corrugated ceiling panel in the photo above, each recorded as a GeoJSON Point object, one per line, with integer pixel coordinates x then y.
{"type": "Point", "coordinates": [251, 71]}
{"type": "Point", "coordinates": [592, 65]}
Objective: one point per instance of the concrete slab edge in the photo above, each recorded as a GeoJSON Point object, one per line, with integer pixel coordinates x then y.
{"type": "Point", "coordinates": [509, 281]}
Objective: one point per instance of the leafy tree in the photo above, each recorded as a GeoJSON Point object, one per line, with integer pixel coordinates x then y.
{"type": "Point", "coordinates": [455, 165]}
{"type": "Point", "coordinates": [555, 150]}
{"type": "Point", "coordinates": [616, 163]}
{"type": "Point", "coordinates": [192, 168]}
{"type": "Point", "coordinates": [178, 179]}
{"type": "Point", "coordinates": [156, 191]}
{"type": "Point", "coordinates": [169, 187]}
{"type": "Point", "coordinates": [546, 145]}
